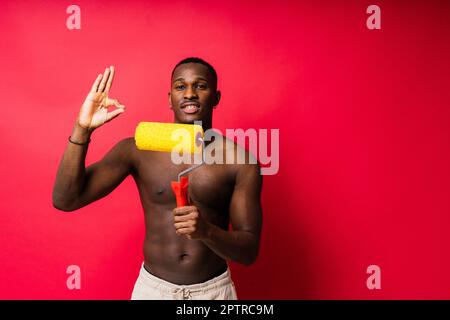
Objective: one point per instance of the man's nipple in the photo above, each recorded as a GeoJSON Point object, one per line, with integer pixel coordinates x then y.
{"type": "Point", "coordinates": [184, 257]}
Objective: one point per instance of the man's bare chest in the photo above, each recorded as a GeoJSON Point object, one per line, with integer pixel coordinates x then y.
{"type": "Point", "coordinates": [209, 185]}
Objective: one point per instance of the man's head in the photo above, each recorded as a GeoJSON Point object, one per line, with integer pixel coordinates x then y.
{"type": "Point", "coordinates": [193, 94]}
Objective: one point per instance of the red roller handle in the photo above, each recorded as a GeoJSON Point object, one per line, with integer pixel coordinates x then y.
{"type": "Point", "coordinates": [181, 191]}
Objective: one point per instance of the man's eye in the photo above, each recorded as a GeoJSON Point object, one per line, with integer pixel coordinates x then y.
{"type": "Point", "coordinates": [201, 86]}
{"type": "Point", "coordinates": [179, 87]}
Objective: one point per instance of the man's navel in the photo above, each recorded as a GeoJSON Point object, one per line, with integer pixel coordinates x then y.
{"type": "Point", "coordinates": [184, 257]}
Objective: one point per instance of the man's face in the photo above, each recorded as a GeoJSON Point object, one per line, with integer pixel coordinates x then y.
{"type": "Point", "coordinates": [193, 94]}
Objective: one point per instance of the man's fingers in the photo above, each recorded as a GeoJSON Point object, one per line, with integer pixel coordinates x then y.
{"type": "Point", "coordinates": [113, 102]}
{"type": "Point", "coordinates": [111, 115]}
{"type": "Point", "coordinates": [184, 224]}
{"type": "Point", "coordinates": [183, 210]}
{"type": "Point", "coordinates": [96, 83]}
{"type": "Point", "coordinates": [102, 85]}
{"type": "Point", "coordinates": [110, 79]}
{"type": "Point", "coordinates": [104, 81]}
{"type": "Point", "coordinates": [180, 218]}
{"type": "Point", "coordinates": [186, 231]}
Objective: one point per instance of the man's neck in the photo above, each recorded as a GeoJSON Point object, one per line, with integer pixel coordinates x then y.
{"type": "Point", "coordinates": [206, 124]}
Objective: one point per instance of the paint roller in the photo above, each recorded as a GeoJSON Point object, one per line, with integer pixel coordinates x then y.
{"type": "Point", "coordinates": [173, 137]}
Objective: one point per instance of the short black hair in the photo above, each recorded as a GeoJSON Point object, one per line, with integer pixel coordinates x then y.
{"type": "Point", "coordinates": [201, 61]}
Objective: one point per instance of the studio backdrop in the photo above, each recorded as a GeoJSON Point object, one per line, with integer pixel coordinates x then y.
{"type": "Point", "coordinates": [359, 205]}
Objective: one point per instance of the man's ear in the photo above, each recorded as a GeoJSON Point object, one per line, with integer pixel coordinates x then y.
{"type": "Point", "coordinates": [170, 101]}
{"type": "Point", "coordinates": [218, 95]}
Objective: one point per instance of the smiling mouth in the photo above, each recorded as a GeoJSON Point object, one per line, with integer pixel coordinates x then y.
{"type": "Point", "coordinates": [190, 108]}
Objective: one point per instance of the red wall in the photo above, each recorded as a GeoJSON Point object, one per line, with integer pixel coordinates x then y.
{"type": "Point", "coordinates": [364, 139]}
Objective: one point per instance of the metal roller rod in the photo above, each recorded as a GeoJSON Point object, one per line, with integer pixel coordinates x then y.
{"type": "Point", "coordinates": [197, 165]}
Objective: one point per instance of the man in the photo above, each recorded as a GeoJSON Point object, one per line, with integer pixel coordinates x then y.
{"type": "Point", "coordinates": [185, 248]}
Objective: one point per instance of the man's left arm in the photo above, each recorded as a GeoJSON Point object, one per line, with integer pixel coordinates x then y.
{"type": "Point", "coordinates": [241, 244]}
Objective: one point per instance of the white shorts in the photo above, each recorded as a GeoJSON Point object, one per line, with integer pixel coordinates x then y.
{"type": "Point", "coordinates": [150, 287]}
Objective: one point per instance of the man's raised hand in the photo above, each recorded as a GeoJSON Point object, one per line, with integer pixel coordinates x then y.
{"type": "Point", "coordinates": [94, 111]}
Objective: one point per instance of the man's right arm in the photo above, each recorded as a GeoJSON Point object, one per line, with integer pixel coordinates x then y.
{"type": "Point", "coordinates": [75, 185]}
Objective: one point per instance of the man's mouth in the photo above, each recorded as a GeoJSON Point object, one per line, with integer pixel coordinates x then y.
{"type": "Point", "coordinates": [190, 107]}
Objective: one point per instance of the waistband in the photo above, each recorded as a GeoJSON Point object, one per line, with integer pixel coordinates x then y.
{"type": "Point", "coordinates": [215, 283]}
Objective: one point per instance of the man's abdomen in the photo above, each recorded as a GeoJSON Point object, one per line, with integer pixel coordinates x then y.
{"type": "Point", "coordinates": [180, 260]}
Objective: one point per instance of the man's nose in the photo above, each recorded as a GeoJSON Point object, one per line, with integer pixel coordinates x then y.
{"type": "Point", "coordinates": [190, 93]}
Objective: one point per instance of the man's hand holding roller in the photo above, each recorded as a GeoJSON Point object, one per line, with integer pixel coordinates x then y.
{"type": "Point", "coordinates": [238, 245]}
{"type": "Point", "coordinates": [189, 222]}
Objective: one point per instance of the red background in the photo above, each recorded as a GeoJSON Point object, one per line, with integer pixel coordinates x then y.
{"type": "Point", "coordinates": [364, 139]}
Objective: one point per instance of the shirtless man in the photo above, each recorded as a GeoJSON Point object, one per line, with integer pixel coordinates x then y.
{"type": "Point", "coordinates": [185, 249]}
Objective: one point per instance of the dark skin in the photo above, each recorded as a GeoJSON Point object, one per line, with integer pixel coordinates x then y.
{"type": "Point", "coordinates": [183, 245]}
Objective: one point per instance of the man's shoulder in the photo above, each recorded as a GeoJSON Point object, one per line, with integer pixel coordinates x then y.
{"type": "Point", "coordinates": [128, 140]}
{"type": "Point", "coordinates": [239, 161]}
{"type": "Point", "coordinates": [237, 154]}
{"type": "Point", "coordinates": [126, 143]}
{"type": "Point", "coordinates": [126, 148]}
